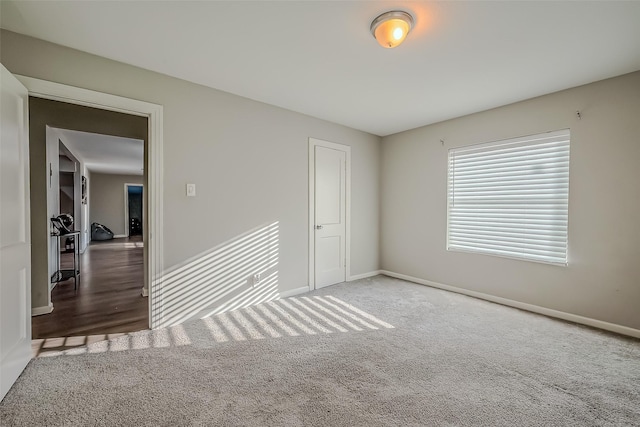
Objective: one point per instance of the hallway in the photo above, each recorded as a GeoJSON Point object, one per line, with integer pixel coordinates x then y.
{"type": "Point", "coordinates": [108, 299]}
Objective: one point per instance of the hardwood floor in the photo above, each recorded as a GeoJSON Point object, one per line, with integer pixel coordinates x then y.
{"type": "Point", "coordinates": [108, 299]}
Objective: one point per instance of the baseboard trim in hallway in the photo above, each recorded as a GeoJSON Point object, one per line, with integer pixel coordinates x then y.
{"type": "Point", "coordinates": [612, 327]}
{"type": "Point", "coordinates": [39, 311]}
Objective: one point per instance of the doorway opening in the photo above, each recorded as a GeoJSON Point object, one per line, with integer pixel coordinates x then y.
{"type": "Point", "coordinates": [133, 208]}
{"type": "Point", "coordinates": [96, 269]}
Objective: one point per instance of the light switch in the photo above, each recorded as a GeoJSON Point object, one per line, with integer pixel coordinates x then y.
{"type": "Point", "coordinates": [191, 190]}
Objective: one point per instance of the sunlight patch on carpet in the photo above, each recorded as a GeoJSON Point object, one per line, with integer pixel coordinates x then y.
{"type": "Point", "coordinates": [290, 317]}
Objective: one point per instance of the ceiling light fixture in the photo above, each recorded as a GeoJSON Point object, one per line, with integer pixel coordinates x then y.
{"type": "Point", "coordinates": [391, 28]}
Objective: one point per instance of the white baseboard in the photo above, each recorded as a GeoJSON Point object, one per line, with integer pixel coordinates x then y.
{"type": "Point", "coordinates": [145, 292]}
{"type": "Point", "coordinates": [294, 292]}
{"type": "Point", "coordinates": [623, 330]}
{"type": "Point", "coordinates": [363, 275]}
{"type": "Point", "coordinates": [119, 236]}
{"type": "Point", "coordinates": [38, 311]}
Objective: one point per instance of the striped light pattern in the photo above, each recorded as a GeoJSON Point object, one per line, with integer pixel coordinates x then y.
{"type": "Point", "coordinates": [510, 198]}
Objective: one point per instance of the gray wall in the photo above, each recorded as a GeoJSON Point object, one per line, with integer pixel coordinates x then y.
{"type": "Point", "coordinates": [602, 280]}
{"type": "Point", "coordinates": [107, 199]}
{"type": "Point", "coordinates": [248, 159]}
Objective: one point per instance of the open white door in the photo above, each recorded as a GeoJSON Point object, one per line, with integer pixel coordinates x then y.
{"type": "Point", "coordinates": [15, 240]}
{"type": "Point", "coordinates": [330, 196]}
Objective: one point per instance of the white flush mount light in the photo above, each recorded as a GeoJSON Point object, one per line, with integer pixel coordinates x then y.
{"type": "Point", "coordinates": [391, 28]}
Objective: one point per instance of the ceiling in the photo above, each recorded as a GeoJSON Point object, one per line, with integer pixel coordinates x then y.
{"type": "Point", "coordinates": [105, 153]}
{"type": "Point", "coordinates": [319, 58]}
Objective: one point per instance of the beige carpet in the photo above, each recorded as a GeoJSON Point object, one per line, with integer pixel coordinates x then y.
{"type": "Point", "coordinates": [375, 352]}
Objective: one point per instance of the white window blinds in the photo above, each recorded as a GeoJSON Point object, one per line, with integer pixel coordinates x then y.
{"type": "Point", "coordinates": [510, 198]}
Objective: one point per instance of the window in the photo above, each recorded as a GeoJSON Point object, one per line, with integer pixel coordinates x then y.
{"type": "Point", "coordinates": [510, 198]}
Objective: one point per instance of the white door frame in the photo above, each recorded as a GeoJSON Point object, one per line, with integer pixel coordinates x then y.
{"type": "Point", "coordinates": [313, 143]}
{"type": "Point", "coordinates": [89, 98]}
{"type": "Point", "coordinates": [79, 216]}
{"type": "Point", "coordinates": [126, 205]}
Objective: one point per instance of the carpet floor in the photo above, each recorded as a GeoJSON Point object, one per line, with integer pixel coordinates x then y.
{"type": "Point", "coordinates": [375, 352]}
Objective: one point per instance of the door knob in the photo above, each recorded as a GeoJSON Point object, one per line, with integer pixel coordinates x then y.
{"type": "Point", "coordinates": [318, 227]}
